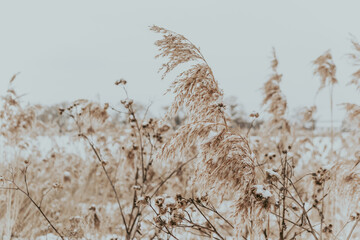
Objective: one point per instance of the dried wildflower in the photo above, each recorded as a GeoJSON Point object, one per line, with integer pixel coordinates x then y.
{"type": "Point", "coordinates": [61, 111]}
{"type": "Point", "coordinates": [159, 221]}
{"type": "Point", "coordinates": [254, 115]}
{"type": "Point", "coordinates": [159, 201]}
{"type": "Point", "coordinates": [177, 216]}
{"type": "Point", "coordinates": [92, 207]}
{"type": "Point", "coordinates": [127, 103]}
{"type": "Point", "coordinates": [260, 192]}
{"type": "Point", "coordinates": [142, 201]}
{"type": "Point", "coordinates": [321, 176]}
{"type": "Point", "coordinates": [272, 176]}
{"type": "Point", "coordinates": [355, 216]}
{"type": "Point", "coordinates": [294, 207]}
{"type": "Point", "coordinates": [121, 82]}
{"type": "Point", "coordinates": [182, 202]}
{"type": "Point", "coordinates": [328, 229]}
{"type": "Point", "coordinates": [136, 187]}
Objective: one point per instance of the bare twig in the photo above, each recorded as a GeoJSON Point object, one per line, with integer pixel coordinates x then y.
{"type": "Point", "coordinates": [27, 194]}
{"type": "Point", "coordinates": [170, 175]}
{"type": "Point", "coordinates": [353, 228]}
{"type": "Point", "coordinates": [108, 177]}
{"type": "Point", "coordinates": [207, 220]}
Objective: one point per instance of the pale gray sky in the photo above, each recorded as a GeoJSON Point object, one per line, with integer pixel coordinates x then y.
{"type": "Point", "coordinates": [67, 50]}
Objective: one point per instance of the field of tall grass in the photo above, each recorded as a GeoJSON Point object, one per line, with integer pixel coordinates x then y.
{"type": "Point", "coordinates": [88, 170]}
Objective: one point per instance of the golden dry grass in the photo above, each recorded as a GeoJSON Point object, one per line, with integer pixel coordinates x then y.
{"type": "Point", "coordinates": [114, 173]}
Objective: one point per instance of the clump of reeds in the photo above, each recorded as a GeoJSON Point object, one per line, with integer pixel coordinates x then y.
{"type": "Point", "coordinates": [213, 181]}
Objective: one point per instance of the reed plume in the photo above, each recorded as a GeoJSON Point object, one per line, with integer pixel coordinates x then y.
{"type": "Point", "coordinates": [356, 62]}
{"type": "Point", "coordinates": [224, 160]}
{"type": "Point", "coordinates": [325, 69]}
{"type": "Point", "coordinates": [274, 99]}
{"type": "Point", "coordinates": [352, 109]}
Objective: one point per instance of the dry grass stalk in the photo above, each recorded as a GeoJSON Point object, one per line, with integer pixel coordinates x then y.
{"type": "Point", "coordinates": [325, 69]}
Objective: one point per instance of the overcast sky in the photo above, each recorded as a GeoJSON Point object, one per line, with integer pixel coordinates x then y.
{"type": "Point", "coordinates": [67, 50]}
